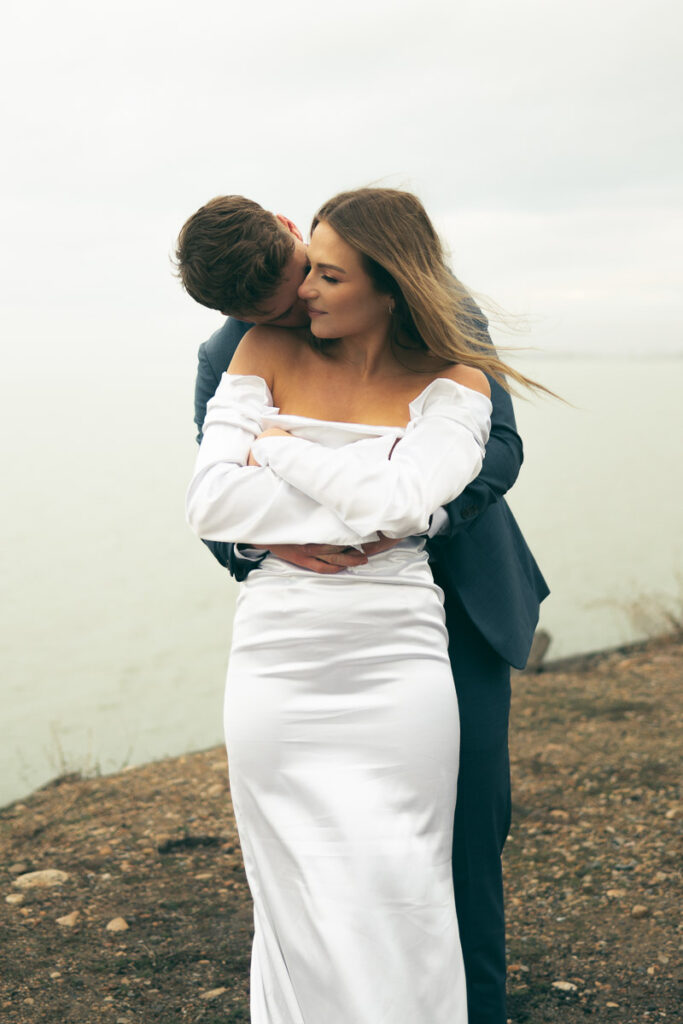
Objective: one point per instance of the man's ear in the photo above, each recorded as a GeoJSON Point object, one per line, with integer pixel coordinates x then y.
{"type": "Point", "coordinates": [290, 225]}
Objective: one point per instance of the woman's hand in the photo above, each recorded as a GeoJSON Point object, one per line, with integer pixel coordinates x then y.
{"type": "Point", "coordinates": [273, 432]}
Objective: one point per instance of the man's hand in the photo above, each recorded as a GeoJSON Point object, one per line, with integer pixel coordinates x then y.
{"type": "Point", "coordinates": [378, 546]}
{"type": "Point", "coordinates": [322, 558]}
{"type": "Point", "coordinates": [330, 558]}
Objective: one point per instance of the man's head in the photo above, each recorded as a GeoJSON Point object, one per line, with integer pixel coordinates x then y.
{"type": "Point", "coordinates": [234, 256]}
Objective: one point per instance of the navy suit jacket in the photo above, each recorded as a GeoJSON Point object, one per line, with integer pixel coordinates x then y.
{"type": "Point", "coordinates": [483, 559]}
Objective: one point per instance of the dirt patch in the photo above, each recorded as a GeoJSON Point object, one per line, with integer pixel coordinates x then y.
{"type": "Point", "coordinates": [592, 869]}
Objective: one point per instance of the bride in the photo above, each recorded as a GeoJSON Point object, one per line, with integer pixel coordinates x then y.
{"type": "Point", "coordinates": [341, 717]}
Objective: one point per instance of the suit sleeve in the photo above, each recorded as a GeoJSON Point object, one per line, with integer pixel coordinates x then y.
{"type": "Point", "coordinates": [504, 457]}
{"type": "Point", "coordinates": [441, 452]}
{"type": "Point", "coordinates": [504, 452]}
{"type": "Point", "coordinates": [213, 360]}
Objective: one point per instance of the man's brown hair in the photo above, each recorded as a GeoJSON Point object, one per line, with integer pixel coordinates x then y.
{"type": "Point", "coordinates": [231, 255]}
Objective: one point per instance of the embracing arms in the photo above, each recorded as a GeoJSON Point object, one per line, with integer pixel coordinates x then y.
{"type": "Point", "coordinates": [306, 491]}
{"type": "Point", "coordinates": [230, 501]}
{"type": "Point", "coordinates": [504, 457]}
{"type": "Point", "coordinates": [389, 485]}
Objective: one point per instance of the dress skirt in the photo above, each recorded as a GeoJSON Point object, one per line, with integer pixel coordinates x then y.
{"type": "Point", "coordinates": [342, 732]}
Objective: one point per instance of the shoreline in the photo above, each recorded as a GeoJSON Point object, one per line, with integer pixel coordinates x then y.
{"type": "Point", "coordinates": [591, 856]}
{"type": "Point", "coordinates": [586, 660]}
{"type": "Point", "coordinates": [581, 662]}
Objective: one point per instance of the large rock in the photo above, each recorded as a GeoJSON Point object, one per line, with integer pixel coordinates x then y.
{"type": "Point", "coordinates": [41, 879]}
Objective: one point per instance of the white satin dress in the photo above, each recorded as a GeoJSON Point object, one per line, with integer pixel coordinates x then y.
{"type": "Point", "coordinates": [341, 718]}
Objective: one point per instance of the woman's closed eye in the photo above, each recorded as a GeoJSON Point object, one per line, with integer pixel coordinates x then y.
{"type": "Point", "coordinates": [325, 277]}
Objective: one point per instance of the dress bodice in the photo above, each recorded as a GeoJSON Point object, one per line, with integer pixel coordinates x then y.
{"type": "Point", "coordinates": [335, 433]}
{"type": "Point", "coordinates": [332, 433]}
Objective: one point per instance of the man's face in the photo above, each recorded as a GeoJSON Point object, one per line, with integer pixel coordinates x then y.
{"type": "Point", "coordinates": [285, 308]}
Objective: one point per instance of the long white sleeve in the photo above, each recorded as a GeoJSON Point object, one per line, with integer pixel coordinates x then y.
{"type": "Point", "coordinates": [228, 500]}
{"type": "Point", "coordinates": [441, 452]}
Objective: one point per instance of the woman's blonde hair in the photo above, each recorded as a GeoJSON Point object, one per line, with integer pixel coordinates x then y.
{"type": "Point", "coordinates": [404, 257]}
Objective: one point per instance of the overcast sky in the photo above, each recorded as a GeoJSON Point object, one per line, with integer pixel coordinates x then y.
{"type": "Point", "coordinates": [544, 138]}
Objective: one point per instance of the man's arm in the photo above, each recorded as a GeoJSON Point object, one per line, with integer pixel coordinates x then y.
{"type": "Point", "coordinates": [504, 457]}
{"type": "Point", "coordinates": [504, 452]}
{"type": "Point", "coordinates": [213, 360]}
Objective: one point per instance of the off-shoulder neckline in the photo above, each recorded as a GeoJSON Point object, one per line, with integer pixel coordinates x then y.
{"type": "Point", "coordinates": [354, 423]}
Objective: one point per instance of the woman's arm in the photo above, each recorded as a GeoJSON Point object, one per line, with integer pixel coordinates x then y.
{"type": "Point", "coordinates": [228, 500]}
{"type": "Point", "coordinates": [442, 451]}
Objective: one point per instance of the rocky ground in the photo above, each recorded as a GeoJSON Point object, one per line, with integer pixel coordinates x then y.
{"type": "Point", "coordinates": [144, 915]}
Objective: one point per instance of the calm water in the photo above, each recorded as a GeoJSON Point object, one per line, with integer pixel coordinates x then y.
{"type": "Point", "coordinates": [117, 621]}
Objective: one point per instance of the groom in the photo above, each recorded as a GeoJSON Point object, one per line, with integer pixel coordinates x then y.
{"type": "Point", "coordinates": [248, 263]}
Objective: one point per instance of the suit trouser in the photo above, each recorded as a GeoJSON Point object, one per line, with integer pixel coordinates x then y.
{"type": "Point", "coordinates": [482, 813]}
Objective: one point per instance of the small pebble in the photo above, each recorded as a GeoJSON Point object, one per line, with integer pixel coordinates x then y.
{"type": "Point", "coordinates": [69, 920]}
{"type": "Point", "coordinates": [214, 993]}
{"type": "Point", "coordinates": [118, 924]}
{"type": "Point", "coordinates": [639, 911]}
{"type": "Point", "coordinates": [564, 986]}
{"type": "Point", "coordinates": [15, 898]}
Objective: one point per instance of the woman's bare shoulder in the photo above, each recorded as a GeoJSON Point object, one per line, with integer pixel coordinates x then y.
{"type": "Point", "coordinates": [264, 350]}
{"type": "Point", "coordinates": [469, 377]}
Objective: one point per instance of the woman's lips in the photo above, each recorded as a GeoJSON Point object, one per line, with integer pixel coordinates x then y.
{"type": "Point", "coordinates": [314, 312]}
